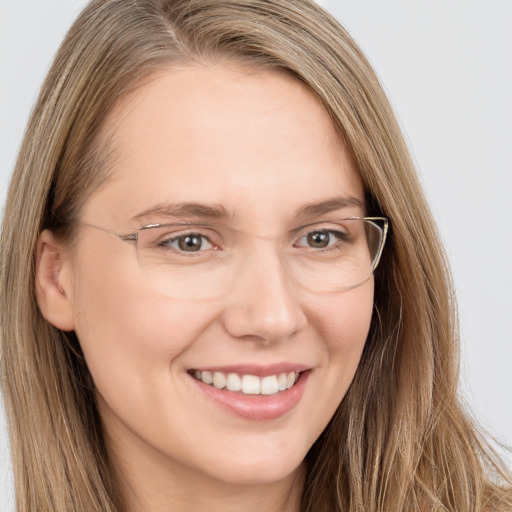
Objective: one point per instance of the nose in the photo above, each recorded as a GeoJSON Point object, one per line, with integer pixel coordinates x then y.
{"type": "Point", "coordinates": [263, 304]}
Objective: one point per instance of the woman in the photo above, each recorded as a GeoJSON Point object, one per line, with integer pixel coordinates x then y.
{"type": "Point", "coordinates": [189, 315]}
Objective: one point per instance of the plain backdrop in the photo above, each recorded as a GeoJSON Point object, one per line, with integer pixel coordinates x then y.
{"type": "Point", "coordinates": [447, 68]}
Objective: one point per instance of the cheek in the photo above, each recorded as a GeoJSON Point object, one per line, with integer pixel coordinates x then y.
{"type": "Point", "coordinates": [347, 321]}
{"type": "Point", "coordinates": [128, 333]}
{"type": "Point", "coordinates": [343, 324]}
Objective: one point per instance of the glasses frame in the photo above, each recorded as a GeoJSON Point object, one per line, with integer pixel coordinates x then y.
{"type": "Point", "coordinates": [134, 235]}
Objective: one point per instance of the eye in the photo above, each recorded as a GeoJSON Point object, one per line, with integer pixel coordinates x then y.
{"type": "Point", "coordinates": [189, 242]}
{"type": "Point", "coordinates": [321, 239]}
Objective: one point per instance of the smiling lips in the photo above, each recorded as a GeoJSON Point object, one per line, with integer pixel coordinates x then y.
{"type": "Point", "coordinates": [248, 384]}
{"type": "Point", "coordinates": [253, 392]}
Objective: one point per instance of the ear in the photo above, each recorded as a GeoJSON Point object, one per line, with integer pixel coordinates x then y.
{"type": "Point", "coordinates": [54, 281]}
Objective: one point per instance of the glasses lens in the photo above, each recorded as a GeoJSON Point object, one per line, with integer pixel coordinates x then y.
{"type": "Point", "coordinates": [203, 262]}
{"type": "Point", "coordinates": [349, 258]}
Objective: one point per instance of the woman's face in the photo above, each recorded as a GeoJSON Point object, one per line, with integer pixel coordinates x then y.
{"type": "Point", "coordinates": [242, 150]}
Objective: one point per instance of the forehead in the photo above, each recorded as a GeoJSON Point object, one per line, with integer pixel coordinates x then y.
{"type": "Point", "coordinates": [255, 142]}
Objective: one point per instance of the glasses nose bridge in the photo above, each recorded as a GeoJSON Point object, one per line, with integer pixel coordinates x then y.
{"type": "Point", "coordinates": [260, 248]}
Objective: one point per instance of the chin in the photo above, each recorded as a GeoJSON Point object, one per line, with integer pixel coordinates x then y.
{"type": "Point", "coordinates": [249, 466]}
{"type": "Point", "coordinates": [265, 473]}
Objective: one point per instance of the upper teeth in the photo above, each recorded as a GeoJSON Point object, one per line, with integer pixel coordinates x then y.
{"type": "Point", "coordinates": [248, 384]}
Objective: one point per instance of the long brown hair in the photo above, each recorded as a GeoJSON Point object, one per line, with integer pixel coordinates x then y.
{"type": "Point", "coordinates": [400, 440]}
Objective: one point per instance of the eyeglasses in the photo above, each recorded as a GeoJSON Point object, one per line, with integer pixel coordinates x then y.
{"type": "Point", "coordinates": [203, 260]}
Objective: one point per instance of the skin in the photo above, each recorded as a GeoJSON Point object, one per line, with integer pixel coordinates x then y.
{"type": "Point", "coordinates": [260, 145]}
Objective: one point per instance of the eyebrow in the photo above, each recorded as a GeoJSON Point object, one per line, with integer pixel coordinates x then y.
{"type": "Point", "coordinates": [218, 212]}
{"type": "Point", "coordinates": [327, 206]}
{"type": "Point", "coordinates": [184, 211]}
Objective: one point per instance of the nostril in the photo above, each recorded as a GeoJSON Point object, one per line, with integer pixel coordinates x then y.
{"type": "Point", "coordinates": [257, 323]}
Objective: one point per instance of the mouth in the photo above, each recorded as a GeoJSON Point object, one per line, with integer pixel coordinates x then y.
{"type": "Point", "coordinates": [248, 384]}
{"type": "Point", "coordinates": [253, 392]}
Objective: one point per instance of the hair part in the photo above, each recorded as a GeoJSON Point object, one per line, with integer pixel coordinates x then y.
{"type": "Point", "coordinates": [400, 439]}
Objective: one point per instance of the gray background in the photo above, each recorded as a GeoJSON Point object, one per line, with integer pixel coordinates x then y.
{"type": "Point", "coordinates": [447, 67]}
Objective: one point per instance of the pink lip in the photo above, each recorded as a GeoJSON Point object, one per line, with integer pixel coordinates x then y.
{"type": "Point", "coordinates": [255, 407]}
{"type": "Point", "coordinates": [257, 370]}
